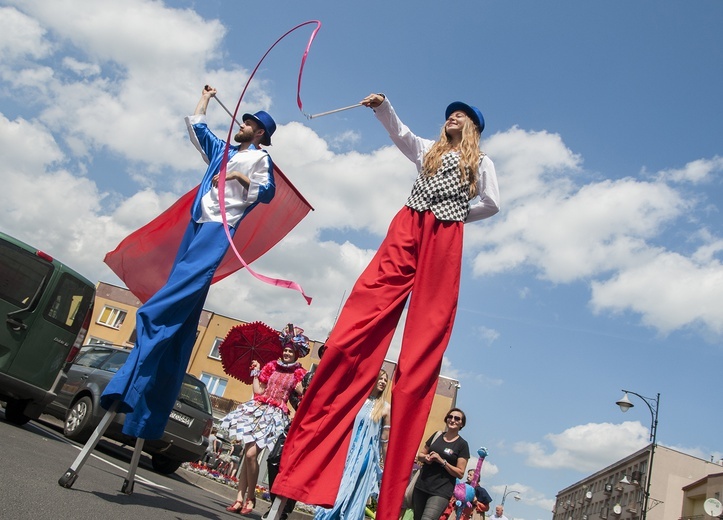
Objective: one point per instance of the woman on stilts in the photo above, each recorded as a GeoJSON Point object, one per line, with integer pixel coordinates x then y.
{"type": "Point", "coordinates": [421, 256]}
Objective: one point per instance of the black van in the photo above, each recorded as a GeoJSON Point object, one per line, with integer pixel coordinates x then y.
{"type": "Point", "coordinates": [46, 308]}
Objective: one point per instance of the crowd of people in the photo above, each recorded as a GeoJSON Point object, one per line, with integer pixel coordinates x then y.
{"type": "Point", "coordinates": [442, 461]}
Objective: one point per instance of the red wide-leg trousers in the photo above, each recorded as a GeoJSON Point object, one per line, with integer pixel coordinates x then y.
{"type": "Point", "coordinates": [421, 255]}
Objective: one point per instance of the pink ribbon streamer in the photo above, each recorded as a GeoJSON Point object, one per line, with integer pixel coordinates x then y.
{"type": "Point", "coordinates": [287, 284]}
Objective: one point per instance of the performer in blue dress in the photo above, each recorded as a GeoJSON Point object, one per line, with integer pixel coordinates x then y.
{"type": "Point", "coordinates": [148, 383]}
{"type": "Point", "coordinates": [365, 459]}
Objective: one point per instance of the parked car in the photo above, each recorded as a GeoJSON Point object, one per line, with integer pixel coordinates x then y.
{"type": "Point", "coordinates": [78, 404]}
{"type": "Point", "coordinates": [46, 308]}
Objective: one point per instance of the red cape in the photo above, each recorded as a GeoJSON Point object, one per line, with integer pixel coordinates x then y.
{"type": "Point", "coordinates": [143, 259]}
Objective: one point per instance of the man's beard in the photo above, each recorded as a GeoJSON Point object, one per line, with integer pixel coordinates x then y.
{"type": "Point", "coordinates": [242, 137]}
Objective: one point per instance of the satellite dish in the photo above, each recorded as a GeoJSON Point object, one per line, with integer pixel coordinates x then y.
{"type": "Point", "coordinates": [713, 507]}
{"type": "Point", "coordinates": [588, 495]}
{"type": "Point", "coordinates": [617, 509]}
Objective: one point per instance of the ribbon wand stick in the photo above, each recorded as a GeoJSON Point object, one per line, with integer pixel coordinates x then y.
{"type": "Point", "coordinates": [206, 87]}
{"type": "Point", "coordinates": [312, 116]}
{"type": "Point", "coordinates": [227, 110]}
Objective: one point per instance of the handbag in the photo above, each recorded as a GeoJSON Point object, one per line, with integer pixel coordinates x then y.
{"type": "Point", "coordinates": [407, 504]}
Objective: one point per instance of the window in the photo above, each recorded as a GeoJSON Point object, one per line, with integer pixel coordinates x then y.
{"type": "Point", "coordinates": [69, 303]}
{"type": "Point", "coordinates": [193, 393]}
{"type": "Point", "coordinates": [22, 275]}
{"type": "Point", "coordinates": [215, 385]}
{"type": "Point", "coordinates": [214, 350]}
{"type": "Point", "coordinates": [112, 317]}
{"type": "Point", "coordinates": [134, 337]}
{"type": "Point", "coordinates": [93, 357]}
{"type": "Point", "coordinates": [115, 361]}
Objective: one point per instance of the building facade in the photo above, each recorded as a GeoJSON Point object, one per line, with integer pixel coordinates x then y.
{"type": "Point", "coordinates": [618, 491]}
{"type": "Point", "coordinates": [696, 494]}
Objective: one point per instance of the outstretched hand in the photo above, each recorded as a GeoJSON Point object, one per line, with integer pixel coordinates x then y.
{"type": "Point", "coordinates": [372, 100]}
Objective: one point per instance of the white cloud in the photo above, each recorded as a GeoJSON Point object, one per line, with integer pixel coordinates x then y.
{"type": "Point", "coordinates": [488, 335]}
{"type": "Point", "coordinates": [345, 140]}
{"type": "Point", "coordinates": [528, 163]}
{"type": "Point", "coordinates": [131, 82]}
{"type": "Point", "coordinates": [21, 37]}
{"type": "Point", "coordinates": [574, 234]}
{"type": "Point", "coordinates": [694, 172]}
{"type": "Point", "coordinates": [80, 68]}
{"type": "Point", "coordinates": [670, 291]}
{"type": "Point", "coordinates": [602, 233]}
{"type": "Point", "coordinates": [21, 142]}
{"type": "Point", "coordinates": [585, 448]}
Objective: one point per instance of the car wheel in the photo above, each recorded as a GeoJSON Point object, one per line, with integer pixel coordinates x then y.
{"type": "Point", "coordinates": [15, 412]}
{"type": "Point", "coordinates": [164, 465]}
{"type": "Point", "coordinates": [77, 420]}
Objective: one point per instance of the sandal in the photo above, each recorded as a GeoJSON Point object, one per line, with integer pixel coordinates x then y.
{"type": "Point", "coordinates": [249, 507]}
{"type": "Point", "coordinates": [235, 507]}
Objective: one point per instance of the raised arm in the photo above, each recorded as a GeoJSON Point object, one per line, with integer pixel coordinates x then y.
{"type": "Point", "coordinates": [206, 95]}
{"type": "Point", "coordinates": [409, 144]}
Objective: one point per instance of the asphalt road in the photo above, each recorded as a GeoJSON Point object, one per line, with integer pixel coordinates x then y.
{"type": "Point", "coordinates": [34, 456]}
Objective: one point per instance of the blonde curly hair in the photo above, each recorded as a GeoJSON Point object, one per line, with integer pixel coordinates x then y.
{"type": "Point", "coordinates": [469, 155]}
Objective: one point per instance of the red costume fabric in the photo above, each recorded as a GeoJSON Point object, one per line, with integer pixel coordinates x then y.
{"type": "Point", "coordinates": [143, 260]}
{"type": "Point", "coordinates": [421, 255]}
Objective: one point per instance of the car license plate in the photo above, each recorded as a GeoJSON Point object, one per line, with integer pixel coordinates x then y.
{"type": "Point", "coordinates": [181, 418]}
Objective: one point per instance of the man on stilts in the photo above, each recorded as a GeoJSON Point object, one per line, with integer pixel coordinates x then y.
{"type": "Point", "coordinates": [147, 385]}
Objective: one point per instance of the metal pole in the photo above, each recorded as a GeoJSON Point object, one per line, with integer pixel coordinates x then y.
{"type": "Point", "coordinates": [654, 435]}
{"type": "Point", "coordinates": [653, 439]}
{"type": "Point", "coordinates": [312, 116]}
{"type": "Point", "coordinates": [504, 495]}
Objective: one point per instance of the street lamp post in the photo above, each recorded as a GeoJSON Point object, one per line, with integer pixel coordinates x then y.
{"type": "Point", "coordinates": [504, 495]}
{"type": "Point", "coordinates": [625, 405]}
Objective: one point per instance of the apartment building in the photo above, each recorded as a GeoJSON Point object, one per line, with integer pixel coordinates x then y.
{"type": "Point", "coordinates": [617, 492]}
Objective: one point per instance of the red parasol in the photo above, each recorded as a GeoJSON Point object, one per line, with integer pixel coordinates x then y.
{"type": "Point", "coordinates": [243, 344]}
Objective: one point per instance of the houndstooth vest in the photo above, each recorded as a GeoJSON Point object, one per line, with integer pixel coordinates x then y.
{"type": "Point", "coordinates": [443, 193]}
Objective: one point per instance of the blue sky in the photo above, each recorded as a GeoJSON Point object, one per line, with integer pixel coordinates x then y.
{"type": "Point", "coordinates": [601, 272]}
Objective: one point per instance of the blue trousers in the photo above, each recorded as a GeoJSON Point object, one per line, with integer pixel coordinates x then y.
{"type": "Point", "coordinates": [147, 385]}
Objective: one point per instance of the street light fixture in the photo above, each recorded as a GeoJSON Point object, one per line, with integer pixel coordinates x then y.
{"type": "Point", "coordinates": [625, 404]}
{"type": "Point", "coordinates": [504, 495]}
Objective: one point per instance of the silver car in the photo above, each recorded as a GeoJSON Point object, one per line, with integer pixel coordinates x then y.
{"type": "Point", "coordinates": [78, 404]}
